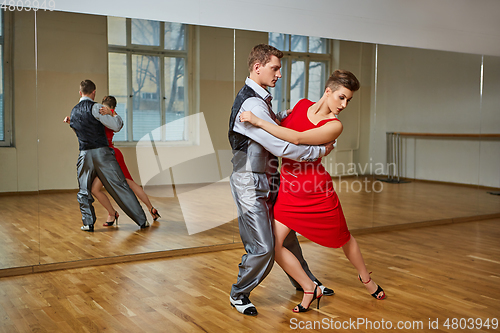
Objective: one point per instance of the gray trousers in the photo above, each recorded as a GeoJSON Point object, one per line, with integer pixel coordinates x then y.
{"type": "Point", "coordinates": [255, 201]}
{"type": "Point", "coordinates": [102, 163]}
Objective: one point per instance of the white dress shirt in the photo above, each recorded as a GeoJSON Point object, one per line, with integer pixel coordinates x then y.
{"type": "Point", "coordinates": [274, 145]}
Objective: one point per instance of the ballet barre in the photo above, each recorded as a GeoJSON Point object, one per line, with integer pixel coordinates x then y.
{"type": "Point", "coordinates": [395, 149]}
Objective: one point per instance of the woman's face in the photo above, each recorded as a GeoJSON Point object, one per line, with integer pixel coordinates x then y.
{"type": "Point", "coordinates": [338, 99]}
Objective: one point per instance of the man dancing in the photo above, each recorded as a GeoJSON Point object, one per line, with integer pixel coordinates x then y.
{"type": "Point", "coordinates": [255, 178]}
{"type": "Point", "coordinates": [96, 159]}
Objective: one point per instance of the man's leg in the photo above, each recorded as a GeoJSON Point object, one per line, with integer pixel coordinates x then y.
{"type": "Point", "coordinates": [109, 172]}
{"type": "Point", "coordinates": [256, 234]}
{"type": "Point", "coordinates": [86, 175]}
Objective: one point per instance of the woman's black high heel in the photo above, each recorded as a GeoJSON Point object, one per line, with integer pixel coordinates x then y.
{"type": "Point", "coordinates": [379, 293]}
{"type": "Point", "coordinates": [154, 213]}
{"type": "Point", "coordinates": [109, 224]}
{"type": "Point", "coordinates": [300, 308]}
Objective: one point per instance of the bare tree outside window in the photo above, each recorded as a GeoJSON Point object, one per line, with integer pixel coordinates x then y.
{"type": "Point", "coordinates": [304, 68]}
{"type": "Point", "coordinates": [156, 58]}
{"type": "Point", "coordinates": [145, 82]}
{"type": "Point", "coordinates": [145, 32]}
{"type": "Point", "coordinates": [175, 34]}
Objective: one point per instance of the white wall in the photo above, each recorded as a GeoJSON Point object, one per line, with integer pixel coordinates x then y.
{"type": "Point", "coordinates": [427, 91]}
{"type": "Point", "coordinates": [454, 25]}
{"type": "Point", "coordinates": [19, 164]}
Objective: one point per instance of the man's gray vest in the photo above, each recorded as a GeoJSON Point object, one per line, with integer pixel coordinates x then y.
{"type": "Point", "coordinates": [248, 155]}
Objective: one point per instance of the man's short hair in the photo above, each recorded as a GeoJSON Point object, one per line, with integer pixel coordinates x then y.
{"type": "Point", "coordinates": [262, 54]}
{"type": "Point", "coordinates": [109, 101]}
{"type": "Point", "coordinates": [87, 87]}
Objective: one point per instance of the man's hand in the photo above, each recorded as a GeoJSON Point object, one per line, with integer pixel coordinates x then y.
{"type": "Point", "coordinates": [329, 147]}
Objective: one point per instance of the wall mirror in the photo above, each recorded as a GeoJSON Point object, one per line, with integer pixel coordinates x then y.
{"type": "Point", "coordinates": [175, 85]}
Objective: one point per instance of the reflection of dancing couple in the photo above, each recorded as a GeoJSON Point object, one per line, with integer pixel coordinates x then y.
{"type": "Point", "coordinates": [315, 213]}
{"type": "Point", "coordinates": [100, 163]}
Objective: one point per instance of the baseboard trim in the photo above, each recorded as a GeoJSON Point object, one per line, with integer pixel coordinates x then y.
{"type": "Point", "coordinates": [188, 185]}
{"type": "Point", "coordinates": [3, 194]}
{"type": "Point", "coordinates": [480, 187]}
{"type": "Point", "coordinates": [423, 224]}
{"type": "Point", "coordinates": [41, 268]}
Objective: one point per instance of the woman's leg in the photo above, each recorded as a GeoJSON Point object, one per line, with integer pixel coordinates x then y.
{"type": "Point", "coordinates": [139, 192]}
{"type": "Point", "coordinates": [353, 253]}
{"type": "Point", "coordinates": [290, 263]}
{"type": "Point", "coordinates": [103, 199]}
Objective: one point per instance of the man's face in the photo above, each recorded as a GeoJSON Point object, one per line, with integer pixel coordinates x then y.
{"type": "Point", "coordinates": [270, 73]}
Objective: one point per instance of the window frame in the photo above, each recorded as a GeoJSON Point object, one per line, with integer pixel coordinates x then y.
{"type": "Point", "coordinates": [129, 50]}
{"type": "Point", "coordinates": [289, 57]}
{"type": "Point", "coordinates": [6, 45]}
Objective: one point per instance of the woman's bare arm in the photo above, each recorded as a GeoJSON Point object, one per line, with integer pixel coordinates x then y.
{"type": "Point", "coordinates": [316, 136]}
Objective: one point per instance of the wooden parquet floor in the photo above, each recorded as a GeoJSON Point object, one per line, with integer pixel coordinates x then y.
{"type": "Point", "coordinates": [45, 228]}
{"type": "Point", "coordinates": [431, 273]}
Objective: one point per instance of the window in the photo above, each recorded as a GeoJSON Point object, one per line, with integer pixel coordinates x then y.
{"type": "Point", "coordinates": [5, 107]}
{"type": "Point", "coordinates": [305, 67]}
{"type": "Point", "coordinates": [2, 115]}
{"type": "Point", "coordinates": [148, 76]}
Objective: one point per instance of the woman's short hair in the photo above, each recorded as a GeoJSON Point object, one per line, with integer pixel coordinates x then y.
{"type": "Point", "coordinates": [262, 54]}
{"type": "Point", "coordinates": [342, 78]}
{"type": "Point", "coordinates": [109, 101]}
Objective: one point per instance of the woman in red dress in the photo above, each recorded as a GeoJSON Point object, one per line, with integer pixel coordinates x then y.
{"type": "Point", "coordinates": [110, 103]}
{"type": "Point", "coordinates": [307, 202]}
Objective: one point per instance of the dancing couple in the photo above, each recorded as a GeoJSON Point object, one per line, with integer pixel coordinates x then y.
{"type": "Point", "coordinates": [268, 221]}
{"type": "Point", "coordinates": [100, 163]}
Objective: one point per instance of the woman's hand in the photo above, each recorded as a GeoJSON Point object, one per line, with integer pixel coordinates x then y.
{"type": "Point", "coordinates": [105, 110]}
{"type": "Point", "coordinates": [249, 117]}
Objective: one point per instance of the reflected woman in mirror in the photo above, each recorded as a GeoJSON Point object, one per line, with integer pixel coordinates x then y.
{"type": "Point", "coordinates": [307, 202]}
{"type": "Point", "coordinates": [109, 103]}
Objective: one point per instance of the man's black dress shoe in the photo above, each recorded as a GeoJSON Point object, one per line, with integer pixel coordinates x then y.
{"type": "Point", "coordinates": [145, 225]}
{"type": "Point", "coordinates": [243, 306]}
{"type": "Point", "coordinates": [88, 227]}
{"type": "Point", "coordinates": [326, 291]}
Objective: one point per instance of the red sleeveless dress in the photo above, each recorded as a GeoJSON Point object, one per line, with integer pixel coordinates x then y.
{"type": "Point", "coordinates": [118, 153]}
{"type": "Point", "coordinates": [307, 202]}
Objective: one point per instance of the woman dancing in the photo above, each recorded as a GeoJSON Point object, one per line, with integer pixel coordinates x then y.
{"type": "Point", "coordinates": [307, 202]}
{"type": "Point", "coordinates": [109, 103]}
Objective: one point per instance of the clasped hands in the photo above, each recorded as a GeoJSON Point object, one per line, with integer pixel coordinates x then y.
{"type": "Point", "coordinates": [248, 116]}
{"type": "Point", "coordinates": [104, 110]}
